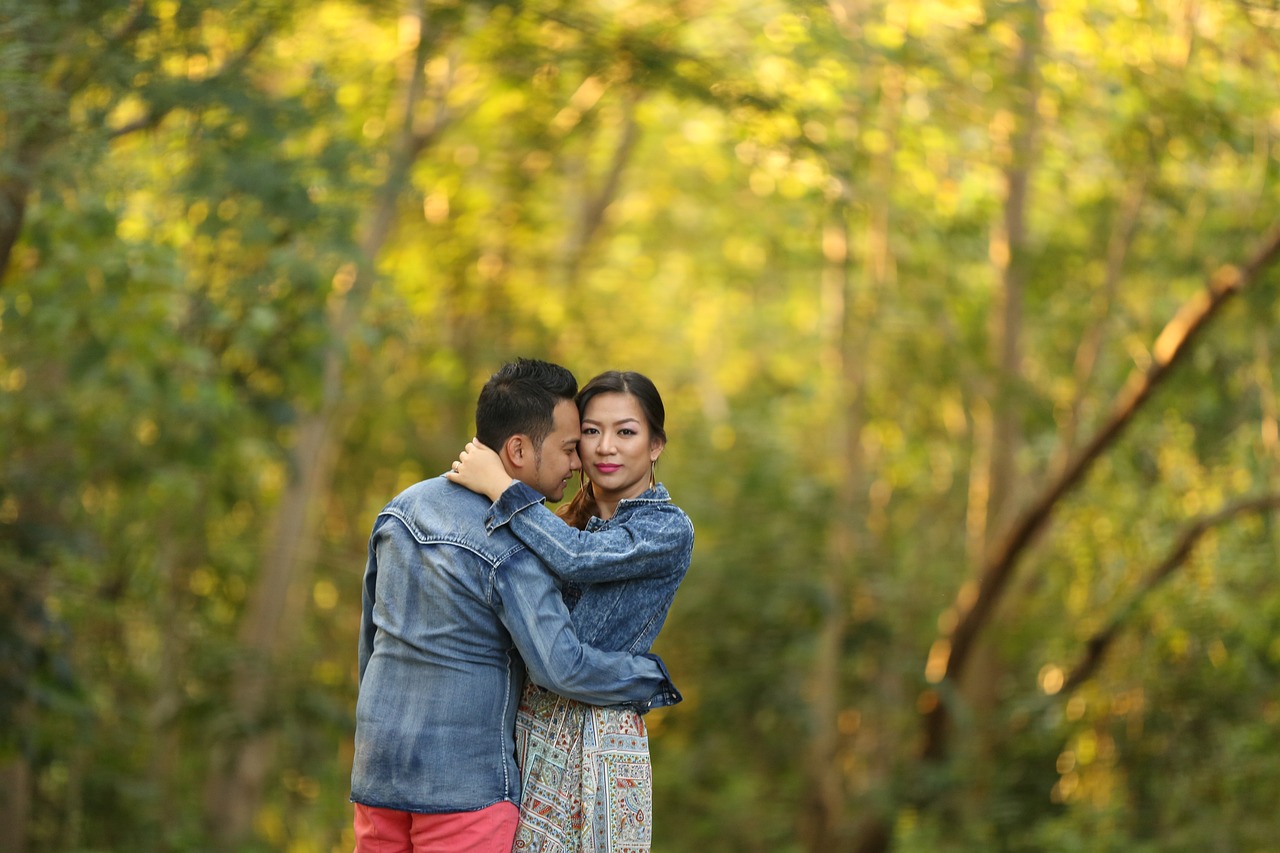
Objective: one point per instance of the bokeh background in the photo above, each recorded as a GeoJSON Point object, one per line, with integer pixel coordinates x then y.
{"type": "Point", "coordinates": [965, 316]}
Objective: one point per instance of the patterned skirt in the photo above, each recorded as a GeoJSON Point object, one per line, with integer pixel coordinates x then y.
{"type": "Point", "coordinates": [587, 781]}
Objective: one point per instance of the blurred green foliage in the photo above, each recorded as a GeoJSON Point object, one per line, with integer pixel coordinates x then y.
{"type": "Point", "coordinates": [791, 215]}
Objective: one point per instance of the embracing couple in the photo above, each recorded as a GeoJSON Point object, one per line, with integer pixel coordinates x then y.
{"type": "Point", "coordinates": [504, 657]}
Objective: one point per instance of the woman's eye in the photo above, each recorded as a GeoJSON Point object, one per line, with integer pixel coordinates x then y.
{"type": "Point", "coordinates": [589, 430]}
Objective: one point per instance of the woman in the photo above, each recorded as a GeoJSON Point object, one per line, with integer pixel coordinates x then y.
{"type": "Point", "coordinates": [587, 783]}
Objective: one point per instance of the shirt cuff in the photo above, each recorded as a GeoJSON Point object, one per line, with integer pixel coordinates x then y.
{"type": "Point", "coordinates": [518, 496]}
{"type": "Point", "coordinates": [667, 694]}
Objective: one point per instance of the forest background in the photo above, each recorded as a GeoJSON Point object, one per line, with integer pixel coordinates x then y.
{"type": "Point", "coordinates": [965, 316]}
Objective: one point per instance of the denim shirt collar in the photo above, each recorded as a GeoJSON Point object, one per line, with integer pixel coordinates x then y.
{"type": "Point", "coordinates": [656, 494]}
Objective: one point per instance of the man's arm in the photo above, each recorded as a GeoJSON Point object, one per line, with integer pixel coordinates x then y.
{"type": "Point", "coordinates": [530, 606]}
{"type": "Point", "coordinates": [368, 595]}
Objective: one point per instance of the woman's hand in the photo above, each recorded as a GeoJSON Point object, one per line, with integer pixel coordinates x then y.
{"type": "Point", "coordinates": [480, 469]}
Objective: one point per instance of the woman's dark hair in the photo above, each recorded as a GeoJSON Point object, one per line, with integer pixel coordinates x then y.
{"type": "Point", "coordinates": [520, 399]}
{"type": "Point", "coordinates": [636, 385]}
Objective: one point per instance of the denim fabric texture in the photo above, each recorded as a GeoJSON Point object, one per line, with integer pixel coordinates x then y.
{"type": "Point", "coordinates": [452, 615]}
{"type": "Point", "coordinates": [621, 574]}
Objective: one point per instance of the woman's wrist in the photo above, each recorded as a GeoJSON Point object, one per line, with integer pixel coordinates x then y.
{"type": "Point", "coordinates": [498, 487]}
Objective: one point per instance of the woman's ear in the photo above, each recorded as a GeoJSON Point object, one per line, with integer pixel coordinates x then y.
{"type": "Point", "coordinates": [655, 449]}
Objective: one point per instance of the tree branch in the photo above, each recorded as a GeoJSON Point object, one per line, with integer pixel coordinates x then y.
{"type": "Point", "coordinates": [157, 113]}
{"type": "Point", "coordinates": [594, 206]}
{"type": "Point", "coordinates": [1170, 347]}
{"type": "Point", "coordinates": [591, 213]}
{"type": "Point", "coordinates": [1096, 647]}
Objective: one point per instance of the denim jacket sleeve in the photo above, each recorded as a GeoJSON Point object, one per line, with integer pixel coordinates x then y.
{"type": "Point", "coordinates": [530, 606]}
{"type": "Point", "coordinates": [649, 542]}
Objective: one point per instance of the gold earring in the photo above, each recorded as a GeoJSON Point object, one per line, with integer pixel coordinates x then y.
{"type": "Point", "coordinates": [653, 473]}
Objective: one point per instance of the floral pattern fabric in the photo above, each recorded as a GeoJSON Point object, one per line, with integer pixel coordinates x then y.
{"type": "Point", "coordinates": [587, 780]}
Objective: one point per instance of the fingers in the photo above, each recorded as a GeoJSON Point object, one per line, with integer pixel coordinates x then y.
{"type": "Point", "coordinates": [473, 446]}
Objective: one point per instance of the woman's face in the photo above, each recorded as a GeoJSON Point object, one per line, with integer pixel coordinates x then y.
{"type": "Point", "coordinates": [617, 449]}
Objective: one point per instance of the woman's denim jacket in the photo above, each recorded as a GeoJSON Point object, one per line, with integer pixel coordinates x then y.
{"type": "Point", "coordinates": [452, 615]}
{"type": "Point", "coordinates": [623, 573]}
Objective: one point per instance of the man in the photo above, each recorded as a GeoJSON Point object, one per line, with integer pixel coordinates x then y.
{"type": "Point", "coordinates": [452, 619]}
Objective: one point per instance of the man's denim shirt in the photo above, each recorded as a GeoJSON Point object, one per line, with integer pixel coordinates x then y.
{"type": "Point", "coordinates": [621, 574]}
{"type": "Point", "coordinates": [452, 616]}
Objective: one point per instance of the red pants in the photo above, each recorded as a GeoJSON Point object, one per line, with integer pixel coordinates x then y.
{"type": "Point", "coordinates": [489, 830]}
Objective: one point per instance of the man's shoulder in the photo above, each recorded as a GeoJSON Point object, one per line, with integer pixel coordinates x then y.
{"type": "Point", "coordinates": [436, 511]}
{"type": "Point", "coordinates": [430, 491]}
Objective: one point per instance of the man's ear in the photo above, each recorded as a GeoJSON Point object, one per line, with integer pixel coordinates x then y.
{"type": "Point", "coordinates": [517, 451]}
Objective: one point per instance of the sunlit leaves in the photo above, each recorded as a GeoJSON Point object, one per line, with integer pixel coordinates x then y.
{"type": "Point", "coordinates": [760, 205]}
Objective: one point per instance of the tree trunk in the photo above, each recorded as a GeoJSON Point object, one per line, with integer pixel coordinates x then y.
{"type": "Point", "coordinates": [277, 605]}
{"type": "Point", "coordinates": [996, 495]}
{"type": "Point", "coordinates": [15, 804]}
{"type": "Point", "coordinates": [13, 210]}
{"type": "Point", "coordinates": [1091, 343]}
{"type": "Point", "coordinates": [275, 610]}
{"type": "Point", "coordinates": [823, 809]}
{"type": "Point", "coordinates": [849, 538]}
{"type": "Point", "coordinates": [1010, 254]}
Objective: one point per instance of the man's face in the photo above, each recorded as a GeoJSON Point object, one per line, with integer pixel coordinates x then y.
{"type": "Point", "coordinates": [559, 457]}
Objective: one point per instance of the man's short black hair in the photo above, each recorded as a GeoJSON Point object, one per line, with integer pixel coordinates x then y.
{"type": "Point", "coordinates": [520, 399]}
